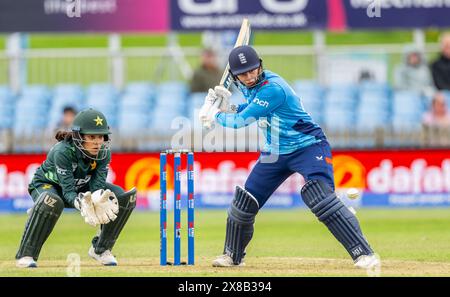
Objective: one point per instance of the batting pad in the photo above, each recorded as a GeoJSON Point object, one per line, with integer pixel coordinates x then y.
{"type": "Point", "coordinates": [330, 210]}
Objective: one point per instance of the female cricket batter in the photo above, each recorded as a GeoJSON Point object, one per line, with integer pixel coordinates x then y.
{"type": "Point", "coordinates": [74, 176]}
{"type": "Point", "coordinates": [294, 143]}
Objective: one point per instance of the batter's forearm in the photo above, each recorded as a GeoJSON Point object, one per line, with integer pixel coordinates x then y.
{"type": "Point", "coordinates": [233, 120]}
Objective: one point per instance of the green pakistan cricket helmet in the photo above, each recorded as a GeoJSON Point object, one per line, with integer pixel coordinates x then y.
{"type": "Point", "coordinates": [91, 122]}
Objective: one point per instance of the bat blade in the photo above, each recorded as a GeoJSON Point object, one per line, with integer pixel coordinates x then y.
{"type": "Point", "coordinates": [242, 39]}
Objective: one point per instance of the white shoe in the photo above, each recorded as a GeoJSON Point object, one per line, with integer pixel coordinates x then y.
{"type": "Point", "coordinates": [106, 258]}
{"type": "Point", "coordinates": [225, 261]}
{"type": "Point", "coordinates": [26, 262]}
{"type": "Point", "coordinates": [367, 261]}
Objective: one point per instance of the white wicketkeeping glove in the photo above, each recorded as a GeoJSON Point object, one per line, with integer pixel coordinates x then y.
{"type": "Point", "coordinates": [106, 205]}
{"type": "Point", "coordinates": [225, 95]}
{"type": "Point", "coordinates": [209, 102]}
{"type": "Point", "coordinates": [87, 210]}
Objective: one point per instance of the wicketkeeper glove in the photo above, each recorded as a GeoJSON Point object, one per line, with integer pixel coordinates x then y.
{"type": "Point", "coordinates": [83, 202]}
{"type": "Point", "coordinates": [106, 205]}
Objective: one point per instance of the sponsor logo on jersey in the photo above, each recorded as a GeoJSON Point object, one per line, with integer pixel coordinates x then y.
{"type": "Point", "coordinates": [61, 171]}
{"type": "Point", "coordinates": [46, 186]}
{"type": "Point", "coordinates": [51, 176]}
{"type": "Point", "coordinates": [93, 165]}
{"type": "Point", "coordinates": [49, 201]}
{"type": "Point", "coordinates": [81, 182]}
{"type": "Point", "coordinates": [328, 160]}
{"type": "Point", "coordinates": [263, 123]}
{"type": "Point", "coordinates": [260, 102]}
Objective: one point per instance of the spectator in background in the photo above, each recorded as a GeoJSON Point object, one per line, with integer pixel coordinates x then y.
{"type": "Point", "coordinates": [441, 67]}
{"type": "Point", "coordinates": [68, 116]}
{"type": "Point", "coordinates": [413, 74]}
{"type": "Point", "coordinates": [208, 74]}
{"type": "Point", "coordinates": [366, 76]}
{"type": "Point", "coordinates": [438, 116]}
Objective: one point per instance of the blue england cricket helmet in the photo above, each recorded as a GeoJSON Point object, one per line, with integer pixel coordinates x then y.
{"type": "Point", "coordinates": [242, 59]}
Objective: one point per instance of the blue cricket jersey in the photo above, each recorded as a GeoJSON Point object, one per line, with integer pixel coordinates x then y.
{"type": "Point", "coordinates": [286, 125]}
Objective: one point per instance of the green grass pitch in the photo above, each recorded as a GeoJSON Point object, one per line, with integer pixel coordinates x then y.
{"type": "Point", "coordinates": [413, 242]}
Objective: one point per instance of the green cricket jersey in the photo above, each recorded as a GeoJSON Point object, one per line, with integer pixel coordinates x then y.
{"type": "Point", "coordinates": [70, 172]}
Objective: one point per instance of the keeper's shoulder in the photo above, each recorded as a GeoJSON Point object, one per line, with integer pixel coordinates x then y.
{"type": "Point", "coordinates": [63, 148]}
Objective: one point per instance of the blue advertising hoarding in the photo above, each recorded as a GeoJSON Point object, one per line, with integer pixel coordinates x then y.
{"type": "Point", "coordinates": [388, 14]}
{"type": "Point", "coordinates": [191, 15]}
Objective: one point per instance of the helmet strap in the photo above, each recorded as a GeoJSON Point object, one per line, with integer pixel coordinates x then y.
{"type": "Point", "coordinates": [237, 81]}
{"type": "Point", "coordinates": [78, 141]}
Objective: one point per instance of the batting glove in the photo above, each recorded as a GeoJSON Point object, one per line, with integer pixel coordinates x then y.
{"type": "Point", "coordinates": [225, 95]}
{"type": "Point", "coordinates": [209, 102]}
{"type": "Point", "coordinates": [213, 111]}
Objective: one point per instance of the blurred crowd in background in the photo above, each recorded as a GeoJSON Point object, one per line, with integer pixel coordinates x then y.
{"type": "Point", "coordinates": [412, 111]}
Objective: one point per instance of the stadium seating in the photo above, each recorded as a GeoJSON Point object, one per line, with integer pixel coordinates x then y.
{"type": "Point", "coordinates": [339, 107]}
{"type": "Point", "coordinates": [64, 96]}
{"type": "Point", "coordinates": [311, 94]}
{"type": "Point", "coordinates": [407, 110]}
{"type": "Point", "coordinates": [31, 109]}
{"type": "Point", "coordinates": [140, 88]}
{"type": "Point", "coordinates": [135, 108]}
{"type": "Point", "coordinates": [373, 109]}
{"type": "Point", "coordinates": [144, 108]}
{"type": "Point", "coordinates": [447, 97]}
{"type": "Point", "coordinates": [170, 103]}
{"type": "Point", "coordinates": [195, 101]}
{"type": "Point", "coordinates": [103, 97]}
{"type": "Point", "coordinates": [6, 107]}
{"type": "Point", "coordinates": [5, 92]}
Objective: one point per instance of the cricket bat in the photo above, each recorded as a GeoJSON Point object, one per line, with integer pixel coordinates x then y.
{"type": "Point", "coordinates": [226, 80]}
{"type": "Point", "coordinates": [242, 39]}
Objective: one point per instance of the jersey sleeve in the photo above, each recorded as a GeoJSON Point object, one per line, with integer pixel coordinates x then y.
{"type": "Point", "coordinates": [241, 107]}
{"type": "Point", "coordinates": [66, 180]}
{"type": "Point", "coordinates": [98, 180]}
{"type": "Point", "coordinates": [266, 101]}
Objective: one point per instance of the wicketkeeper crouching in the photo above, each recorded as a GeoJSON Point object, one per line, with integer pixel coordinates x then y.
{"type": "Point", "coordinates": [74, 176]}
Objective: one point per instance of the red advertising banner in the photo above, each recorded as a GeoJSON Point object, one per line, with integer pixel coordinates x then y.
{"type": "Point", "coordinates": [418, 171]}
{"type": "Point", "coordinates": [386, 178]}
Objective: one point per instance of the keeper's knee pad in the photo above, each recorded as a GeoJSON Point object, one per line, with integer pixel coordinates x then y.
{"type": "Point", "coordinates": [111, 231]}
{"type": "Point", "coordinates": [41, 221]}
